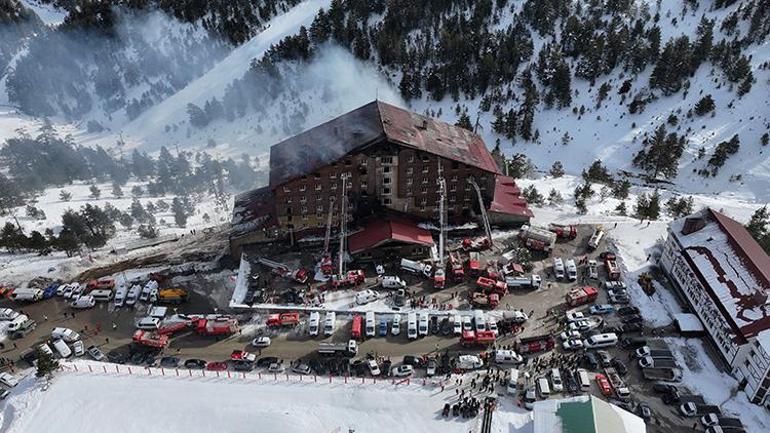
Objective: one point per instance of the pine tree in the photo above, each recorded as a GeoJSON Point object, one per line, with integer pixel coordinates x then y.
{"type": "Point", "coordinates": [65, 195]}
{"type": "Point", "coordinates": [621, 209]}
{"type": "Point", "coordinates": [653, 209]}
{"type": "Point", "coordinates": [758, 225]}
{"type": "Point", "coordinates": [46, 364]}
{"type": "Point", "coordinates": [621, 189]}
{"type": "Point", "coordinates": [137, 191]}
{"type": "Point", "coordinates": [723, 151]}
{"type": "Point", "coordinates": [10, 194]}
{"type": "Point", "coordinates": [661, 154]}
{"type": "Point", "coordinates": [37, 242]}
{"type": "Point", "coordinates": [179, 211]}
{"type": "Point", "coordinates": [705, 105]}
{"type": "Point", "coordinates": [147, 231]}
{"type": "Point", "coordinates": [557, 169]}
{"type": "Point", "coordinates": [95, 191]}
{"type": "Point", "coordinates": [554, 197]}
{"type": "Point", "coordinates": [464, 121]}
{"type": "Point", "coordinates": [117, 191]}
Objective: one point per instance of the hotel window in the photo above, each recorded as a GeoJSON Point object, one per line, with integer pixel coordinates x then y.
{"type": "Point", "coordinates": [386, 160]}
{"type": "Point", "coordinates": [318, 187]}
{"type": "Point", "coordinates": [288, 199]}
{"type": "Point", "coordinates": [409, 181]}
{"type": "Point", "coordinates": [364, 161]}
{"type": "Point", "coordinates": [424, 168]}
{"type": "Point", "coordinates": [386, 201]}
{"type": "Point", "coordinates": [386, 191]}
{"type": "Point", "coordinates": [386, 180]}
{"type": "Point", "coordinates": [302, 187]}
{"type": "Point", "coordinates": [386, 169]}
{"type": "Point", "coordinates": [452, 199]}
{"type": "Point", "coordinates": [411, 158]}
{"type": "Point", "coordinates": [317, 175]}
{"type": "Point", "coordinates": [319, 209]}
{"type": "Point", "coordinates": [363, 184]}
{"type": "Point", "coordinates": [454, 179]}
{"type": "Point", "coordinates": [455, 165]}
{"type": "Point", "coordinates": [303, 209]}
{"type": "Point", "coordinates": [409, 171]}
{"type": "Point", "coordinates": [424, 189]}
{"type": "Point", "coordinates": [409, 191]}
{"type": "Point", "coordinates": [334, 186]}
{"type": "Point", "coordinates": [303, 199]}
{"type": "Point", "coordinates": [424, 180]}
{"type": "Point", "coordinates": [425, 158]}
{"type": "Point", "coordinates": [467, 187]}
{"type": "Point", "coordinates": [332, 175]}
{"type": "Point", "coordinates": [286, 189]}
{"type": "Point", "coordinates": [453, 187]}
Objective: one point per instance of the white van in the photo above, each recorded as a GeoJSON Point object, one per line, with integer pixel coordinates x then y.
{"type": "Point", "coordinates": [458, 324]}
{"type": "Point", "coordinates": [583, 380]}
{"type": "Point", "coordinates": [558, 268]}
{"type": "Point", "coordinates": [85, 301]}
{"type": "Point", "coordinates": [16, 323]}
{"type": "Point", "coordinates": [8, 314]}
{"type": "Point", "coordinates": [422, 327]}
{"type": "Point", "coordinates": [371, 328]}
{"type": "Point", "coordinates": [148, 323]}
{"type": "Point", "coordinates": [467, 323]}
{"type": "Point", "coordinates": [480, 320]}
{"type": "Point", "coordinates": [62, 349]}
{"type": "Point", "coordinates": [411, 326]}
{"type": "Point", "coordinates": [133, 294]}
{"type": "Point", "coordinates": [395, 328]}
{"type": "Point", "coordinates": [600, 340]}
{"type": "Point", "coordinates": [556, 383]}
{"type": "Point", "coordinates": [571, 270]}
{"type": "Point", "coordinates": [366, 297]}
{"type": "Point", "coordinates": [66, 334]}
{"type": "Point", "coordinates": [543, 388]}
{"type": "Point", "coordinates": [330, 321]}
{"type": "Point", "coordinates": [513, 381]}
{"type": "Point", "coordinates": [389, 282]}
{"type": "Point", "coordinates": [120, 295]}
{"type": "Point", "coordinates": [102, 295]}
{"type": "Point", "coordinates": [508, 357]}
{"type": "Point", "coordinates": [45, 348]}
{"type": "Point", "coordinates": [313, 322]}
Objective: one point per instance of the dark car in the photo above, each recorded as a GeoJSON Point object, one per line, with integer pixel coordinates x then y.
{"type": "Point", "coordinates": [645, 412]}
{"type": "Point", "coordinates": [604, 358]}
{"type": "Point", "coordinates": [169, 362]}
{"type": "Point", "coordinates": [664, 388]}
{"type": "Point", "coordinates": [671, 397]}
{"type": "Point", "coordinates": [412, 360]}
{"type": "Point", "coordinates": [615, 329]}
{"type": "Point", "coordinates": [591, 361]}
{"type": "Point", "coordinates": [434, 329]}
{"type": "Point", "coordinates": [632, 342]}
{"type": "Point", "coordinates": [632, 327]}
{"type": "Point", "coordinates": [619, 366]}
{"type": "Point", "coordinates": [198, 364]}
{"type": "Point", "coordinates": [633, 319]}
{"type": "Point", "coordinates": [138, 358]}
{"type": "Point", "coordinates": [266, 361]}
{"type": "Point", "coordinates": [446, 327]}
{"type": "Point", "coordinates": [117, 357]}
{"type": "Point", "coordinates": [625, 311]}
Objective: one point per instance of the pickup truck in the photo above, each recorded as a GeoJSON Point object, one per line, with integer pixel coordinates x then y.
{"type": "Point", "coordinates": [692, 409]}
{"type": "Point", "coordinates": [654, 353]}
{"type": "Point", "coordinates": [649, 362]}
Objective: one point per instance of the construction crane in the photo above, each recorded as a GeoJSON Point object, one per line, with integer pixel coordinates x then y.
{"type": "Point", "coordinates": [439, 277]}
{"type": "Point", "coordinates": [484, 216]}
{"type": "Point", "coordinates": [343, 221]}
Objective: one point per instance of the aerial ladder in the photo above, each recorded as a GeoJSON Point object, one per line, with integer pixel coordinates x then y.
{"type": "Point", "coordinates": [326, 258]}
{"type": "Point", "coordinates": [439, 277]}
{"type": "Point", "coordinates": [484, 216]}
{"type": "Point", "coordinates": [343, 222]}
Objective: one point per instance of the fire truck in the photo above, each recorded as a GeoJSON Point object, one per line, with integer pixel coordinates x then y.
{"type": "Point", "coordinates": [456, 265]}
{"type": "Point", "coordinates": [439, 279]}
{"type": "Point", "coordinates": [150, 339]}
{"type": "Point", "coordinates": [534, 344]}
{"type": "Point", "coordinates": [478, 338]}
{"type": "Point", "coordinates": [282, 319]}
{"type": "Point", "coordinates": [355, 330]}
{"type": "Point", "coordinates": [298, 275]}
{"type": "Point", "coordinates": [613, 271]}
{"type": "Point", "coordinates": [563, 231]}
{"type": "Point", "coordinates": [476, 244]}
{"type": "Point", "coordinates": [492, 286]}
{"type": "Point", "coordinates": [474, 264]}
{"type": "Point", "coordinates": [215, 326]}
{"type": "Point", "coordinates": [351, 279]}
{"type": "Point", "coordinates": [537, 239]}
{"type": "Point", "coordinates": [581, 295]}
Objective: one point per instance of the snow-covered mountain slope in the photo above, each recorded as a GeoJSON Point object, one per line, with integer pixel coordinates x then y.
{"type": "Point", "coordinates": [48, 13]}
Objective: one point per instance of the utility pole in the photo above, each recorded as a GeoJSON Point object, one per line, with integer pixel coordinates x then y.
{"type": "Point", "coordinates": [343, 221]}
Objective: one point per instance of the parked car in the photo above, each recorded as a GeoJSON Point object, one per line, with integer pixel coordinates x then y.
{"type": "Point", "coordinates": [276, 367]}
{"type": "Point", "coordinates": [590, 359]}
{"type": "Point", "coordinates": [95, 353]}
{"type": "Point", "coordinates": [601, 309]}
{"type": "Point", "coordinates": [402, 371]}
{"type": "Point", "coordinates": [619, 366]}
{"type": "Point", "coordinates": [374, 369]}
{"type": "Point", "coordinates": [261, 342]}
{"type": "Point", "coordinates": [301, 369]}
{"type": "Point", "coordinates": [635, 318]}
{"type": "Point", "coordinates": [644, 411]}
{"type": "Point", "coordinates": [632, 342]}
{"type": "Point", "coordinates": [625, 311]}
{"type": "Point", "coordinates": [266, 361]}
{"type": "Point", "coordinates": [8, 380]}
{"type": "Point", "coordinates": [431, 368]}
{"type": "Point", "coordinates": [117, 356]}
{"type": "Point", "coordinates": [604, 358]}
{"type": "Point", "coordinates": [169, 362]}
{"type": "Point", "coordinates": [198, 364]}
{"type": "Point", "coordinates": [216, 366]}
{"type": "Point", "coordinates": [603, 384]}
{"type": "Point", "coordinates": [78, 348]}
{"type": "Point", "coordinates": [632, 327]}
{"type": "Point", "coordinates": [66, 334]}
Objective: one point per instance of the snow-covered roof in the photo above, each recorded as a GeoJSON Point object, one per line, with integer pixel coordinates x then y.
{"type": "Point", "coordinates": [584, 414]}
{"type": "Point", "coordinates": [688, 322]}
{"type": "Point", "coordinates": [717, 251]}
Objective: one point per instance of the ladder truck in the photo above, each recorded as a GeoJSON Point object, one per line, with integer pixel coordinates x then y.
{"type": "Point", "coordinates": [439, 277]}
{"type": "Point", "coordinates": [325, 264]}
{"type": "Point", "coordinates": [484, 216]}
{"type": "Point", "coordinates": [343, 222]}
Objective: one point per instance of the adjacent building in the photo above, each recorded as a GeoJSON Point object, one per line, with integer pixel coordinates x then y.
{"type": "Point", "coordinates": [724, 276]}
{"type": "Point", "coordinates": [388, 161]}
{"type": "Point", "coordinates": [584, 414]}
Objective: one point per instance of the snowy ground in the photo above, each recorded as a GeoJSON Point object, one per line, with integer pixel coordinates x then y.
{"type": "Point", "coordinates": [130, 404]}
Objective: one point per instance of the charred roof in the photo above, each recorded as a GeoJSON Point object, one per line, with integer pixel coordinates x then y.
{"type": "Point", "coordinates": [368, 125]}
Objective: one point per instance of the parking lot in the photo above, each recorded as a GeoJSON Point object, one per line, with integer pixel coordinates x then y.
{"type": "Point", "coordinates": [111, 329]}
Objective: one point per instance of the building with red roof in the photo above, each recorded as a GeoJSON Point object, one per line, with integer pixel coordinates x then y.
{"type": "Point", "coordinates": [391, 159]}
{"type": "Point", "coordinates": [724, 275]}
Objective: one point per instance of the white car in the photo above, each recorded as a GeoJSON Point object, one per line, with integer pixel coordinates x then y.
{"type": "Point", "coordinates": [593, 270]}
{"type": "Point", "coordinates": [582, 325]}
{"type": "Point", "coordinates": [457, 328]}
{"type": "Point", "coordinates": [574, 316]}
{"type": "Point", "coordinates": [467, 325]}
{"type": "Point", "coordinates": [492, 325]}
{"type": "Point", "coordinates": [85, 301]}
{"type": "Point", "coordinates": [68, 291]}
{"type": "Point", "coordinates": [402, 371]}
{"type": "Point", "coordinates": [148, 323]}
{"type": "Point", "coordinates": [395, 327]}
{"type": "Point", "coordinates": [572, 344]}
{"type": "Point", "coordinates": [8, 314]}
{"type": "Point", "coordinates": [17, 322]}
{"type": "Point", "coordinates": [516, 316]}
{"type": "Point", "coordinates": [569, 335]}
{"type": "Point", "coordinates": [133, 294]}
{"type": "Point", "coordinates": [65, 334]}
{"type": "Point", "coordinates": [276, 368]}
{"type": "Point", "coordinates": [374, 369]}
{"type": "Point", "coordinates": [120, 296]}
{"type": "Point", "coordinates": [261, 342]}
{"type": "Point", "coordinates": [78, 348]}
{"type": "Point", "coordinates": [469, 362]}
{"type": "Point", "coordinates": [8, 380]}
{"type": "Point", "coordinates": [366, 296]}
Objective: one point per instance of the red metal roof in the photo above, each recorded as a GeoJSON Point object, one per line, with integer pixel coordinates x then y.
{"type": "Point", "coordinates": [508, 199]}
{"type": "Point", "coordinates": [379, 232]}
{"type": "Point", "coordinates": [370, 124]}
{"type": "Point", "coordinates": [755, 258]}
